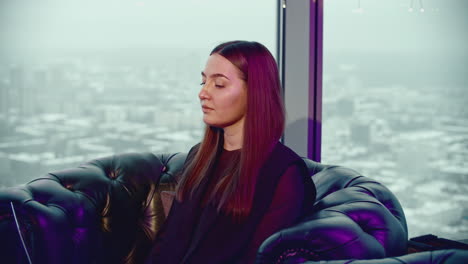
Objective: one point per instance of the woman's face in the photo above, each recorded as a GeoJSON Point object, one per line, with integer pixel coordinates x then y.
{"type": "Point", "coordinates": [224, 94]}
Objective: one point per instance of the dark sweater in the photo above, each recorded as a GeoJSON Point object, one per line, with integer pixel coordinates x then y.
{"type": "Point", "coordinates": [194, 233]}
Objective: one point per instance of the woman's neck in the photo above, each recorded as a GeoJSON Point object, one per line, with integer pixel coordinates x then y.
{"type": "Point", "coordinates": [233, 137]}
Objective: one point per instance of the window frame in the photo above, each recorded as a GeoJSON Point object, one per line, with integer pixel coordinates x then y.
{"type": "Point", "coordinates": [300, 62]}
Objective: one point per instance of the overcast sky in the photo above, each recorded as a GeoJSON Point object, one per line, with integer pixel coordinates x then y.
{"type": "Point", "coordinates": [387, 25]}
{"type": "Point", "coordinates": [32, 26]}
{"type": "Point", "coordinates": [133, 24]}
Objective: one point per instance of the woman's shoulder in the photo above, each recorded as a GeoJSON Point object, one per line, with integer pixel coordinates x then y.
{"type": "Point", "coordinates": [282, 147]}
{"type": "Point", "coordinates": [281, 151]}
{"type": "Point", "coordinates": [284, 160]}
{"type": "Point", "coordinates": [193, 150]}
{"type": "Point", "coordinates": [295, 165]}
{"type": "Point", "coordinates": [195, 147]}
{"type": "Point", "coordinates": [190, 155]}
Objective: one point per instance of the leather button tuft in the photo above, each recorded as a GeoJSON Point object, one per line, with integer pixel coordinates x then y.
{"type": "Point", "coordinates": [164, 169]}
{"type": "Point", "coordinates": [113, 174]}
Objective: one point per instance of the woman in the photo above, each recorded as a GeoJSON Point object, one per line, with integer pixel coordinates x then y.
{"type": "Point", "coordinates": [240, 184]}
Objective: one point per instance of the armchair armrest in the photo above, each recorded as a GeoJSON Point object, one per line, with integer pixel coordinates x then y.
{"type": "Point", "coordinates": [354, 217]}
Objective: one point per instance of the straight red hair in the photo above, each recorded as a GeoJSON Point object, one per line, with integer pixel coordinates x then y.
{"type": "Point", "coordinates": [263, 127]}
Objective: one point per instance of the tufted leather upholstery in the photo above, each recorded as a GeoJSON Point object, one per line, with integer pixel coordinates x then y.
{"type": "Point", "coordinates": [108, 211]}
{"type": "Point", "coordinates": [104, 211]}
{"type": "Point", "coordinates": [354, 217]}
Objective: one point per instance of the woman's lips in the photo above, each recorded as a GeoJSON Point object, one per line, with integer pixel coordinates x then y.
{"type": "Point", "coordinates": [206, 108]}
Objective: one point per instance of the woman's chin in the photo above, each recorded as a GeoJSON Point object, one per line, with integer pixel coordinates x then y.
{"type": "Point", "coordinates": [210, 123]}
{"type": "Point", "coordinates": [213, 124]}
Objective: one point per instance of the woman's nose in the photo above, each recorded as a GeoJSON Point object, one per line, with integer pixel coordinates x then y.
{"type": "Point", "coordinates": [203, 94]}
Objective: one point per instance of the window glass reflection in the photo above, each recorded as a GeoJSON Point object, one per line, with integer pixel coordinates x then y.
{"type": "Point", "coordinates": [394, 106]}
{"type": "Point", "coordinates": [85, 79]}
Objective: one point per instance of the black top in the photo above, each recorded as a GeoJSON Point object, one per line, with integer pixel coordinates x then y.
{"type": "Point", "coordinates": [194, 233]}
{"type": "Point", "coordinates": [284, 209]}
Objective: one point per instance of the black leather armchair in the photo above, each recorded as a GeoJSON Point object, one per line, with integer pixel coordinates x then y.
{"type": "Point", "coordinates": [109, 210]}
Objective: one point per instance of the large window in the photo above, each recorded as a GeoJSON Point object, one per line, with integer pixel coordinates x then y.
{"type": "Point", "coordinates": [81, 79]}
{"type": "Point", "coordinates": [395, 89]}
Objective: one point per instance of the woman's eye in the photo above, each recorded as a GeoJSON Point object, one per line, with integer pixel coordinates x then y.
{"type": "Point", "coordinates": [216, 85]}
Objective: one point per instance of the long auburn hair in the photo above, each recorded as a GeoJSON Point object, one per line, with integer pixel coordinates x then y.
{"type": "Point", "coordinates": [263, 127]}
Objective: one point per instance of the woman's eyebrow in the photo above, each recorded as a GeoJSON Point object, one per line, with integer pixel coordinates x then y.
{"type": "Point", "coordinates": [215, 75]}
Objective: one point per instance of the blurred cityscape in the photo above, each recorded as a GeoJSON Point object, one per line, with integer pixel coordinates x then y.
{"type": "Point", "coordinates": [70, 111]}
{"type": "Point", "coordinates": [411, 136]}
{"type": "Point", "coordinates": [401, 122]}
